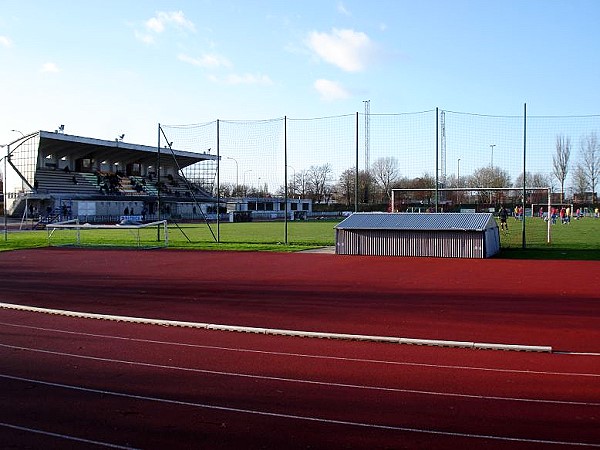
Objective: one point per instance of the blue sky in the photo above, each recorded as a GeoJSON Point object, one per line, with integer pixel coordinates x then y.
{"type": "Point", "coordinates": [105, 67]}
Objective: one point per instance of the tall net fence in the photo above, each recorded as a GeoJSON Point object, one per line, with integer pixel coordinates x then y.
{"type": "Point", "coordinates": [322, 168]}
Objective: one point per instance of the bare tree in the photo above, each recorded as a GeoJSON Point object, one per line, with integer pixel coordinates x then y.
{"type": "Point", "coordinates": [590, 160]}
{"type": "Point", "coordinates": [489, 177]}
{"type": "Point", "coordinates": [426, 181]}
{"type": "Point", "coordinates": [385, 173]}
{"type": "Point", "coordinates": [580, 182]}
{"type": "Point", "coordinates": [345, 186]}
{"type": "Point", "coordinates": [560, 162]}
{"type": "Point", "coordinates": [318, 179]}
{"type": "Point", "coordinates": [537, 179]}
{"type": "Point", "coordinates": [300, 184]}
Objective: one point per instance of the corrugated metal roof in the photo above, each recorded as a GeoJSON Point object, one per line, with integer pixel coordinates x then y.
{"type": "Point", "coordinates": [416, 221]}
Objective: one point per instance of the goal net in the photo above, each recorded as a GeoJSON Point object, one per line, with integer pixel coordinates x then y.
{"type": "Point", "coordinates": [123, 235]}
{"type": "Point", "coordinates": [537, 201]}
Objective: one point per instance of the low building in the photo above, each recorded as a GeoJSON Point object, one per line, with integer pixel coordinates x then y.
{"type": "Point", "coordinates": [447, 235]}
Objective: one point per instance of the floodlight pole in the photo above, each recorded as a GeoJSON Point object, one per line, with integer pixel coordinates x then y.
{"type": "Point", "coordinates": [437, 155]}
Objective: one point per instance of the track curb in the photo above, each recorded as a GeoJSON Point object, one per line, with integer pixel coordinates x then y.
{"type": "Point", "coordinates": [282, 332]}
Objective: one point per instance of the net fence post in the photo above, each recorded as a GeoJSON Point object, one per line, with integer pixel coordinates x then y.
{"type": "Point", "coordinates": [158, 184]}
{"type": "Point", "coordinates": [356, 168]}
{"type": "Point", "coordinates": [286, 183]}
{"type": "Point", "coordinates": [524, 172]}
{"type": "Point", "coordinates": [218, 186]}
{"type": "Point", "coordinates": [549, 237]}
{"type": "Point", "coordinates": [78, 233]}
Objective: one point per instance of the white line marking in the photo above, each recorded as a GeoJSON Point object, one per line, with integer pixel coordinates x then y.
{"type": "Point", "coordinates": [294, 380]}
{"type": "Point", "coordinates": [297, 417]}
{"type": "Point", "coordinates": [303, 355]}
{"type": "Point", "coordinates": [64, 436]}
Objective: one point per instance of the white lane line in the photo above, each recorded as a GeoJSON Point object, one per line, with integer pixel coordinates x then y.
{"type": "Point", "coordinates": [299, 381]}
{"type": "Point", "coordinates": [281, 332]}
{"type": "Point", "coordinates": [64, 436]}
{"type": "Point", "coordinates": [303, 355]}
{"type": "Point", "coordinates": [304, 418]}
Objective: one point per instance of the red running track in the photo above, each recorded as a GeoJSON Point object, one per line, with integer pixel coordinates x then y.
{"type": "Point", "coordinates": [77, 383]}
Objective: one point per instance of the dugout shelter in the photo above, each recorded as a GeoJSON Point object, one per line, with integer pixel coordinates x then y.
{"type": "Point", "coordinates": [448, 235]}
{"type": "Point", "coordinates": [52, 176]}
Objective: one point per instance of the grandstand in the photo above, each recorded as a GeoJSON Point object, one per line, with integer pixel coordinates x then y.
{"type": "Point", "coordinates": [51, 176]}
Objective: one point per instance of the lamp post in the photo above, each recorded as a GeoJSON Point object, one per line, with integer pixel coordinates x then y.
{"type": "Point", "coordinates": [492, 147]}
{"type": "Point", "coordinates": [458, 173]}
{"type": "Point", "coordinates": [237, 179]}
{"type": "Point", "coordinates": [17, 131]}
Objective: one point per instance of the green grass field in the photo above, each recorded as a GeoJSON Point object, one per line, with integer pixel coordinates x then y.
{"type": "Point", "coordinates": [578, 240]}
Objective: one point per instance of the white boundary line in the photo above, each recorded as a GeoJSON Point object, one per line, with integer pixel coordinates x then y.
{"type": "Point", "coordinates": [281, 332]}
{"type": "Point", "coordinates": [300, 417]}
{"type": "Point", "coordinates": [64, 436]}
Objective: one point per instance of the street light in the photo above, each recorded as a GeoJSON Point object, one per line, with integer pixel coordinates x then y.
{"type": "Point", "coordinates": [17, 131]}
{"type": "Point", "coordinates": [492, 147]}
{"type": "Point", "coordinates": [458, 173]}
{"type": "Point", "coordinates": [237, 180]}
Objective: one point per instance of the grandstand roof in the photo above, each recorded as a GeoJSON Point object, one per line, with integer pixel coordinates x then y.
{"type": "Point", "coordinates": [81, 147]}
{"type": "Point", "coordinates": [414, 221]}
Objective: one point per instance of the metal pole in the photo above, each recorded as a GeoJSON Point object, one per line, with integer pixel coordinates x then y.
{"type": "Point", "coordinates": [437, 155]}
{"type": "Point", "coordinates": [524, 169]}
{"type": "Point", "coordinates": [237, 171]}
{"type": "Point", "coordinates": [285, 177]}
{"type": "Point", "coordinates": [158, 184]}
{"type": "Point", "coordinates": [549, 239]}
{"type": "Point", "coordinates": [4, 195]}
{"type": "Point", "coordinates": [356, 171]}
{"type": "Point", "coordinates": [218, 186]}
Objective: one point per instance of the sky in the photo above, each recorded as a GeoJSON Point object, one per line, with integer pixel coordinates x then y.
{"type": "Point", "coordinates": [103, 68]}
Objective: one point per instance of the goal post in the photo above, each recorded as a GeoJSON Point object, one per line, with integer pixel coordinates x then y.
{"type": "Point", "coordinates": [125, 235]}
{"type": "Point", "coordinates": [472, 199]}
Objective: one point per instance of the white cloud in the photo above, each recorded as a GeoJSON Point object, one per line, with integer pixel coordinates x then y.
{"type": "Point", "coordinates": [349, 50]}
{"type": "Point", "coordinates": [5, 42]}
{"type": "Point", "coordinates": [331, 90]}
{"type": "Point", "coordinates": [247, 78]}
{"type": "Point", "coordinates": [160, 22]}
{"type": "Point", "coordinates": [208, 61]}
{"type": "Point", "coordinates": [49, 67]}
{"type": "Point", "coordinates": [162, 19]}
{"type": "Point", "coordinates": [342, 9]}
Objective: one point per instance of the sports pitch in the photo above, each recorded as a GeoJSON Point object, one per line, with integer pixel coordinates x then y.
{"type": "Point", "coordinates": [578, 240]}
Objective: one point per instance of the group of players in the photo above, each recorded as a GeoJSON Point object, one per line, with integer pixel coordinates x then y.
{"type": "Point", "coordinates": [564, 213]}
